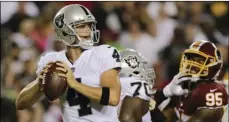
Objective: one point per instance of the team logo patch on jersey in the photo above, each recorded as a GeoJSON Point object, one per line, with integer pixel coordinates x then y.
{"type": "Point", "coordinates": [132, 61]}
{"type": "Point", "coordinates": [59, 21]}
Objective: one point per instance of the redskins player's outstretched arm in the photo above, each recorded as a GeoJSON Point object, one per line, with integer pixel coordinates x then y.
{"type": "Point", "coordinates": [133, 109]}
{"type": "Point", "coordinates": [207, 115]}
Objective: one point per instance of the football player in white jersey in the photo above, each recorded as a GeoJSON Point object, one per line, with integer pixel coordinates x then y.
{"type": "Point", "coordinates": [137, 81]}
{"type": "Point", "coordinates": [92, 72]}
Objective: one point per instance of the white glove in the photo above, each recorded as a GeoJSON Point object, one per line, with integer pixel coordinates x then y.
{"type": "Point", "coordinates": [174, 87]}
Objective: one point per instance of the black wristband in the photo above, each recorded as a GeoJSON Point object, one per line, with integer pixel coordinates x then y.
{"type": "Point", "coordinates": [105, 96]}
{"type": "Point", "coordinates": [159, 97]}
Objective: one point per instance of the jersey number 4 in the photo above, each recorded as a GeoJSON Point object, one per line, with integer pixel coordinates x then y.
{"type": "Point", "coordinates": [115, 55]}
{"type": "Point", "coordinates": [74, 98]}
{"type": "Point", "coordinates": [213, 99]}
{"type": "Point", "coordinates": [139, 85]}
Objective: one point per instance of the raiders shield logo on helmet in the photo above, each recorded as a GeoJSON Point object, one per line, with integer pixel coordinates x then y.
{"type": "Point", "coordinates": [59, 21]}
{"type": "Point", "coordinates": [132, 61]}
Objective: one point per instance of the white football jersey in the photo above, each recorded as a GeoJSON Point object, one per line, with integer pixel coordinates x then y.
{"type": "Point", "coordinates": [87, 70]}
{"type": "Point", "coordinates": [134, 87]}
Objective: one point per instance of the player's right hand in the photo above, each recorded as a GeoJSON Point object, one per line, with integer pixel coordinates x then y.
{"type": "Point", "coordinates": [42, 74]}
{"type": "Point", "coordinates": [66, 73]}
{"type": "Point", "coordinates": [174, 88]}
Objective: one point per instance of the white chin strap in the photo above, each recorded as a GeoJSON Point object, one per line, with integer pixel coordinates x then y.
{"type": "Point", "coordinates": [86, 44]}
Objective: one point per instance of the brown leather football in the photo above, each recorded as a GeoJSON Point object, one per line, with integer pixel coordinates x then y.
{"type": "Point", "coordinates": [54, 86]}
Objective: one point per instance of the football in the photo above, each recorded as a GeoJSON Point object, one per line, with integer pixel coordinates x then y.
{"type": "Point", "coordinates": [54, 86]}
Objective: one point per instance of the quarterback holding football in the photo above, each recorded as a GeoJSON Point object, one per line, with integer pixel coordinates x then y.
{"type": "Point", "coordinates": [91, 72]}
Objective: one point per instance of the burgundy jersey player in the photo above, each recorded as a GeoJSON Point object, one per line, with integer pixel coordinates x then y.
{"type": "Point", "coordinates": [207, 97]}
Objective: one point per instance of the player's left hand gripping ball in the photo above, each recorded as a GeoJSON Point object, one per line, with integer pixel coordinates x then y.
{"type": "Point", "coordinates": [66, 72]}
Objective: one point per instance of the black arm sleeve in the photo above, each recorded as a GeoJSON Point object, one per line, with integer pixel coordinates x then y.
{"type": "Point", "coordinates": [159, 97]}
{"type": "Point", "coordinates": [157, 115]}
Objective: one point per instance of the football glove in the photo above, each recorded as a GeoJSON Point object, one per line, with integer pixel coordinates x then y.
{"type": "Point", "coordinates": [174, 88]}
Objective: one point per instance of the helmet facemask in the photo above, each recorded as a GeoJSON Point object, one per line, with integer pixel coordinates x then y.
{"type": "Point", "coordinates": [150, 74]}
{"type": "Point", "coordinates": [71, 38]}
{"type": "Point", "coordinates": [196, 64]}
{"type": "Point", "coordinates": [88, 43]}
{"type": "Point", "coordinates": [150, 77]}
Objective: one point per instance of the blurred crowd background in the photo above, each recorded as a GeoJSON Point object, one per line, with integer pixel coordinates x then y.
{"type": "Point", "coordinates": [158, 30]}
